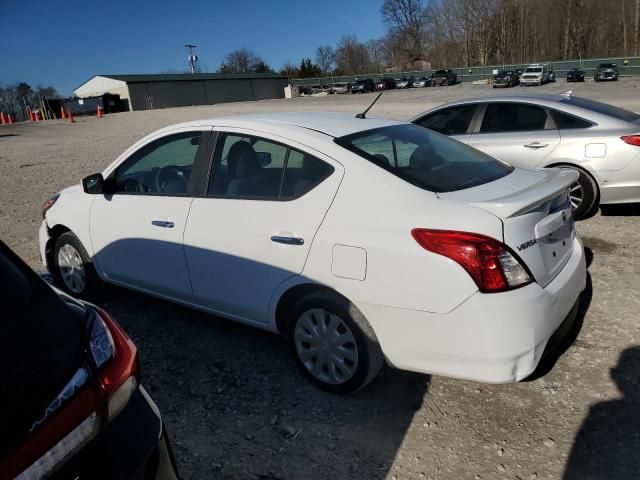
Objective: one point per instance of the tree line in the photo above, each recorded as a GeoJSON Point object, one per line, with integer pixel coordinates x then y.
{"type": "Point", "coordinates": [450, 33]}
{"type": "Point", "coordinates": [17, 98]}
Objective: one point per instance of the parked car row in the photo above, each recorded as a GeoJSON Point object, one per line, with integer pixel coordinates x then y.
{"type": "Point", "coordinates": [540, 74]}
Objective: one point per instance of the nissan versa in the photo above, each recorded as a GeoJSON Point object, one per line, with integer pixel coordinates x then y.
{"type": "Point", "coordinates": [361, 239]}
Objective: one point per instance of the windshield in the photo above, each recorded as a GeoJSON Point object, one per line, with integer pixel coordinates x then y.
{"type": "Point", "coordinates": [503, 72]}
{"type": "Point", "coordinates": [607, 65]}
{"type": "Point", "coordinates": [425, 158]}
{"type": "Point", "coordinates": [533, 70]}
{"type": "Point", "coordinates": [603, 108]}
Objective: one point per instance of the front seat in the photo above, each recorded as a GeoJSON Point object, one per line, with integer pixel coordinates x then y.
{"type": "Point", "coordinates": [424, 157]}
{"type": "Point", "coordinates": [244, 169]}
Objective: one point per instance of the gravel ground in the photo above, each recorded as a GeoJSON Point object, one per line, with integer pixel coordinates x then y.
{"type": "Point", "coordinates": [235, 405]}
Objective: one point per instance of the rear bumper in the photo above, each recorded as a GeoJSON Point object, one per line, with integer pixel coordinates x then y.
{"type": "Point", "coordinates": [43, 240]}
{"type": "Point", "coordinates": [133, 446]}
{"type": "Point", "coordinates": [621, 186]}
{"type": "Point", "coordinates": [492, 338]}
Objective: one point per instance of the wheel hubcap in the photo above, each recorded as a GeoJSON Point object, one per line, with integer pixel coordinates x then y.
{"type": "Point", "coordinates": [71, 268]}
{"type": "Point", "coordinates": [326, 346]}
{"type": "Point", "coordinates": [576, 195]}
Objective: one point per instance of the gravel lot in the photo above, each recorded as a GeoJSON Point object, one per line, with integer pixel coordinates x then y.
{"type": "Point", "coordinates": [235, 405]}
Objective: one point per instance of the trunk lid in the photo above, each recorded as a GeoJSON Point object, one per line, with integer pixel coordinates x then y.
{"type": "Point", "coordinates": [535, 210]}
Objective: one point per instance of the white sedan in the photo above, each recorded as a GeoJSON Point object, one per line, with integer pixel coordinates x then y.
{"type": "Point", "coordinates": [361, 239]}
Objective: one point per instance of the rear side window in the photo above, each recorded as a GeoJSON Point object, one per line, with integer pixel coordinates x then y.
{"type": "Point", "coordinates": [569, 122]}
{"type": "Point", "coordinates": [449, 121]}
{"type": "Point", "coordinates": [424, 158]}
{"type": "Point", "coordinates": [250, 167]}
{"type": "Point", "coordinates": [513, 117]}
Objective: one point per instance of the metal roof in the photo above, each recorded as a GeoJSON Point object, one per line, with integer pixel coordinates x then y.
{"type": "Point", "coordinates": [186, 77]}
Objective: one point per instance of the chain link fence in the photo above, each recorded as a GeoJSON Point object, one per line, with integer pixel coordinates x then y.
{"type": "Point", "coordinates": [628, 66]}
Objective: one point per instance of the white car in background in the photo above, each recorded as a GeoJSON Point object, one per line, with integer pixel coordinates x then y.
{"type": "Point", "coordinates": [534, 75]}
{"type": "Point", "coordinates": [599, 141]}
{"type": "Point", "coordinates": [361, 239]}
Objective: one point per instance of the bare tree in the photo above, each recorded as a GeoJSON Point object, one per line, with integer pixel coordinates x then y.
{"type": "Point", "coordinates": [351, 56]}
{"type": "Point", "coordinates": [325, 58]}
{"type": "Point", "coordinates": [243, 61]}
{"type": "Point", "coordinates": [408, 20]}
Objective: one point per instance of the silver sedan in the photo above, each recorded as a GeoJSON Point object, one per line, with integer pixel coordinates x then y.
{"type": "Point", "coordinates": [600, 141]}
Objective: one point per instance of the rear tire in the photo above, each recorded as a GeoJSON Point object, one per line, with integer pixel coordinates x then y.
{"type": "Point", "coordinates": [333, 344]}
{"type": "Point", "coordinates": [72, 267]}
{"type": "Point", "coordinates": [583, 194]}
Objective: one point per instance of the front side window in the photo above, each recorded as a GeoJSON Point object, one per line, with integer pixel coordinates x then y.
{"type": "Point", "coordinates": [513, 117]}
{"type": "Point", "coordinates": [449, 121]}
{"type": "Point", "coordinates": [161, 167]}
{"type": "Point", "coordinates": [250, 167]}
{"type": "Point", "coordinates": [425, 158]}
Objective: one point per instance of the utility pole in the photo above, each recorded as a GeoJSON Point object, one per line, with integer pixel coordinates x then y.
{"type": "Point", "coordinates": [193, 58]}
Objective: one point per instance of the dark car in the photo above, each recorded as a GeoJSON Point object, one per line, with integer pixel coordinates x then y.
{"type": "Point", "coordinates": [444, 77]}
{"type": "Point", "coordinates": [71, 403]}
{"type": "Point", "coordinates": [575, 75]}
{"type": "Point", "coordinates": [606, 71]}
{"type": "Point", "coordinates": [363, 86]}
{"type": "Point", "coordinates": [506, 78]}
{"type": "Point", "coordinates": [386, 84]}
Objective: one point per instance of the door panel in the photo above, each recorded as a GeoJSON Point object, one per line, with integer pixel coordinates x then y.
{"type": "Point", "coordinates": [130, 249]}
{"type": "Point", "coordinates": [137, 229]}
{"type": "Point", "coordinates": [239, 250]}
{"type": "Point", "coordinates": [520, 134]}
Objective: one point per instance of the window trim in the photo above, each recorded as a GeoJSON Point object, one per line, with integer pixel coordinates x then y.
{"type": "Point", "coordinates": [217, 153]}
{"type": "Point", "coordinates": [199, 158]}
{"type": "Point", "coordinates": [550, 124]}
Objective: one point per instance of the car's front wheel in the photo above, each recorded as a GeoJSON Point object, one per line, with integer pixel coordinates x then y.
{"type": "Point", "coordinates": [72, 266]}
{"type": "Point", "coordinates": [333, 343]}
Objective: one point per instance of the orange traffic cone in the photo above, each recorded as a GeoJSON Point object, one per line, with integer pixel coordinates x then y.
{"type": "Point", "coordinates": [2, 118]}
{"type": "Point", "coordinates": [10, 120]}
{"type": "Point", "coordinates": [69, 116]}
{"type": "Point", "coordinates": [62, 114]}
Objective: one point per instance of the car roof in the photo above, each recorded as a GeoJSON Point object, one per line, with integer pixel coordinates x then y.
{"type": "Point", "coordinates": [333, 124]}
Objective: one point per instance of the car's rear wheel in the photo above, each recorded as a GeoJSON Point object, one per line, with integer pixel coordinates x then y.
{"type": "Point", "coordinates": [583, 195]}
{"type": "Point", "coordinates": [72, 266]}
{"type": "Point", "coordinates": [333, 343]}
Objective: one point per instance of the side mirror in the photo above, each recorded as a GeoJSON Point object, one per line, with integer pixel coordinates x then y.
{"type": "Point", "coordinates": [93, 184]}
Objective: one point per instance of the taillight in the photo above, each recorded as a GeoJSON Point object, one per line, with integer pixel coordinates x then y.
{"type": "Point", "coordinates": [631, 140]}
{"type": "Point", "coordinates": [49, 203]}
{"type": "Point", "coordinates": [94, 396]}
{"type": "Point", "coordinates": [489, 262]}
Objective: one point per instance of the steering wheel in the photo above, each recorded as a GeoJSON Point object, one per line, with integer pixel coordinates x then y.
{"type": "Point", "coordinates": [133, 186]}
{"type": "Point", "coordinates": [168, 174]}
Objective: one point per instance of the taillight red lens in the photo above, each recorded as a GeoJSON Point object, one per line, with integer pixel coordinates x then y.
{"type": "Point", "coordinates": [631, 140]}
{"type": "Point", "coordinates": [79, 419]}
{"type": "Point", "coordinates": [488, 261]}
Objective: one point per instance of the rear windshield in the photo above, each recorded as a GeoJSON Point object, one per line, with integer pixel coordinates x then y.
{"type": "Point", "coordinates": [603, 108]}
{"type": "Point", "coordinates": [425, 158]}
{"type": "Point", "coordinates": [607, 65]}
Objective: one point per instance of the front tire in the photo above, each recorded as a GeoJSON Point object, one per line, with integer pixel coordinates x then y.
{"type": "Point", "coordinates": [73, 269]}
{"type": "Point", "coordinates": [333, 343]}
{"type": "Point", "coordinates": [583, 195]}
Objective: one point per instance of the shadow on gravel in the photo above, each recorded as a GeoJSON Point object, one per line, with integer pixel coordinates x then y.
{"type": "Point", "coordinates": [236, 405]}
{"type": "Point", "coordinates": [627, 209]}
{"type": "Point", "coordinates": [607, 445]}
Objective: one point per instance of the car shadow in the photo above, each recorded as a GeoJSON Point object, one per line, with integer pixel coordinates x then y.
{"type": "Point", "coordinates": [236, 405]}
{"type": "Point", "coordinates": [607, 446]}
{"type": "Point", "coordinates": [626, 209]}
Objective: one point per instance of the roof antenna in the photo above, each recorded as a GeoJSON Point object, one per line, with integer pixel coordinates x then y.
{"type": "Point", "coordinates": [362, 115]}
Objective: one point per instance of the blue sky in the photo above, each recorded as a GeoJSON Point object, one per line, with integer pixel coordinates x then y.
{"type": "Point", "coordinates": [64, 42]}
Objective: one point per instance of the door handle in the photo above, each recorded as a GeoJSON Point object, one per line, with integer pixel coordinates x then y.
{"type": "Point", "coordinates": [287, 240]}
{"type": "Point", "coordinates": [536, 145]}
{"type": "Point", "coordinates": [162, 223]}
